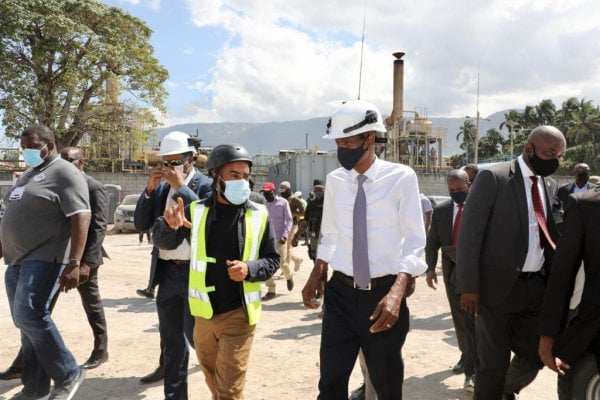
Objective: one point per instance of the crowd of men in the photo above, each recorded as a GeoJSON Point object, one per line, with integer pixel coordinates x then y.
{"type": "Point", "coordinates": [518, 261]}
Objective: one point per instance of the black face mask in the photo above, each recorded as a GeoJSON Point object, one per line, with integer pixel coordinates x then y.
{"type": "Point", "coordinates": [348, 158]}
{"type": "Point", "coordinates": [543, 167]}
{"type": "Point", "coordinates": [270, 196]}
{"type": "Point", "coordinates": [285, 194]}
{"type": "Point", "coordinates": [458, 197]}
{"type": "Point", "coordinates": [319, 196]}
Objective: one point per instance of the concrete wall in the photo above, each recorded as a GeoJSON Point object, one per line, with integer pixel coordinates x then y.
{"type": "Point", "coordinates": [435, 184]}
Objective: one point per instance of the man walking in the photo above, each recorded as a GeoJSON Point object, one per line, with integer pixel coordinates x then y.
{"type": "Point", "coordinates": [280, 216]}
{"type": "Point", "coordinates": [582, 183]}
{"type": "Point", "coordinates": [44, 228]}
{"type": "Point", "coordinates": [566, 337]}
{"type": "Point", "coordinates": [369, 204]}
{"type": "Point", "coordinates": [444, 235]}
{"type": "Point", "coordinates": [232, 251]}
{"type": "Point", "coordinates": [505, 245]}
{"type": "Point", "coordinates": [297, 208]}
{"type": "Point", "coordinates": [175, 179]}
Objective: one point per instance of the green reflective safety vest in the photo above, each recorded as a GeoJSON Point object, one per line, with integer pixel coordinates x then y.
{"type": "Point", "coordinates": [255, 222]}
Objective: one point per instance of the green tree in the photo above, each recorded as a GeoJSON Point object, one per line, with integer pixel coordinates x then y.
{"type": "Point", "coordinates": [61, 59]}
{"type": "Point", "coordinates": [491, 145]}
{"type": "Point", "coordinates": [467, 131]}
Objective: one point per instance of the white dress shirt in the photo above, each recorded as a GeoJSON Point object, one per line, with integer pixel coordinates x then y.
{"type": "Point", "coordinates": [183, 251]}
{"type": "Point", "coordinates": [535, 253]}
{"type": "Point", "coordinates": [577, 189]}
{"type": "Point", "coordinates": [395, 231]}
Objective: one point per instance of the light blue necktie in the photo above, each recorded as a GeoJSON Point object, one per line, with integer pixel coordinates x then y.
{"type": "Point", "coordinates": [360, 248]}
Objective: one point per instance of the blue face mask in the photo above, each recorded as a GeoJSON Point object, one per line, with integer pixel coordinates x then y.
{"type": "Point", "coordinates": [33, 157]}
{"type": "Point", "coordinates": [237, 191]}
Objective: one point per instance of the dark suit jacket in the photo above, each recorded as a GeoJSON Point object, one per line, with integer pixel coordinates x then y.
{"type": "Point", "coordinates": [93, 252]}
{"type": "Point", "coordinates": [579, 242]}
{"type": "Point", "coordinates": [440, 235]}
{"type": "Point", "coordinates": [148, 209]}
{"type": "Point", "coordinates": [565, 190]}
{"type": "Point", "coordinates": [494, 233]}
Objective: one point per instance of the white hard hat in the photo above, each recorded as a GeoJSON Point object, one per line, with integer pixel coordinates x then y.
{"type": "Point", "coordinates": [175, 143]}
{"type": "Point", "coordinates": [353, 118]}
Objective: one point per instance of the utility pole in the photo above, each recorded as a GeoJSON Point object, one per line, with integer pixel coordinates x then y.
{"type": "Point", "coordinates": [476, 152]}
{"type": "Point", "coordinates": [307, 141]}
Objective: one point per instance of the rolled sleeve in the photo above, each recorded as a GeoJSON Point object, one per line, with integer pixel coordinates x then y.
{"type": "Point", "coordinates": [411, 261]}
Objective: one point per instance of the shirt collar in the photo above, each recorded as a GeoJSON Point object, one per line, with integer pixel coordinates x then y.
{"type": "Point", "coordinates": [371, 173]}
{"type": "Point", "coordinates": [189, 176]}
{"type": "Point", "coordinates": [525, 170]}
{"type": "Point", "coordinates": [456, 204]}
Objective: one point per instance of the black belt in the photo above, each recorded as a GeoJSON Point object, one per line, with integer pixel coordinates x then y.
{"type": "Point", "coordinates": [178, 262]}
{"type": "Point", "coordinates": [387, 280]}
{"type": "Point", "coordinates": [527, 275]}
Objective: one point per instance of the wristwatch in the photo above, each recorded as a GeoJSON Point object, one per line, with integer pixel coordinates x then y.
{"type": "Point", "coordinates": [73, 262]}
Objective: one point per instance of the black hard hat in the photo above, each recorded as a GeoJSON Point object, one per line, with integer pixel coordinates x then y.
{"type": "Point", "coordinates": [226, 153]}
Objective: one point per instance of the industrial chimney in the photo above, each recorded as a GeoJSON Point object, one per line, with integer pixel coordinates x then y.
{"type": "Point", "coordinates": [398, 89]}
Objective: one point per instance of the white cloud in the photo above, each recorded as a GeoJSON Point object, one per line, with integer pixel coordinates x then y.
{"type": "Point", "coordinates": [171, 84]}
{"type": "Point", "coordinates": [188, 51]}
{"type": "Point", "coordinates": [289, 59]}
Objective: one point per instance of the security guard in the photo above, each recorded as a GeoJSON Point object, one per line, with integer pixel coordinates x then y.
{"type": "Point", "coordinates": [232, 251]}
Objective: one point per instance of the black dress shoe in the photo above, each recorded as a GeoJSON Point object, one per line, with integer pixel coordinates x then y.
{"type": "Point", "coordinates": [290, 284]}
{"type": "Point", "coordinates": [11, 373]}
{"type": "Point", "coordinates": [147, 293]}
{"type": "Point", "coordinates": [157, 375]}
{"type": "Point", "coordinates": [95, 360]}
{"type": "Point", "coordinates": [458, 368]}
{"type": "Point", "coordinates": [358, 394]}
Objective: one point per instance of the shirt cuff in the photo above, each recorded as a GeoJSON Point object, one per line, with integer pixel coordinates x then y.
{"type": "Point", "coordinates": [78, 212]}
{"type": "Point", "coordinates": [325, 252]}
{"type": "Point", "coordinates": [412, 265]}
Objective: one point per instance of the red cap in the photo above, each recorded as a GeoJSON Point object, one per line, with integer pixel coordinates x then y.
{"type": "Point", "coordinates": [268, 187]}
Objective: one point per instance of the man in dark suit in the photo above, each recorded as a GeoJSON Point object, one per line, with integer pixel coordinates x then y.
{"type": "Point", "coordinates": [505, 246]}
{"type": "Point", "coordinates": [444, 234]}
{"type": "Point", "coordinates": [175, 178]}
{"type": "Point", "coordinates": [88, 271]}
{"type": "Point", "coordinates": [573, 336]}
{"type": "Point", "coordinates": [582, 183]}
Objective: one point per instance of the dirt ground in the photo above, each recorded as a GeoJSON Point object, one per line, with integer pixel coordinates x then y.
{"type": "Point", "coordinates": [285, 357]}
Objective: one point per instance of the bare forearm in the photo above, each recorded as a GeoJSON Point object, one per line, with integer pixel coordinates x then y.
{"type": "Point", "coordinates": [80, 224]}
{"type": "Point", "coordinates": [302, 228]}
{"type": "Point", "coordinates": [401, 283]}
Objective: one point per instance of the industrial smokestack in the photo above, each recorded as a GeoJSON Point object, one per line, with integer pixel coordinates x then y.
{"type": "Point", "coordinates": [398, 88]}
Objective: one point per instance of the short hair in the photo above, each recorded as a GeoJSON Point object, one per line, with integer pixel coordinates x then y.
{"type": "Point", "coordinates": [457, 175]}
{"type": "Point", "coordinates": [41, 131]}
{"type": "Point", "coordinates": [318, 182]}
{"type": "Point", "coordinates": [473, 167]}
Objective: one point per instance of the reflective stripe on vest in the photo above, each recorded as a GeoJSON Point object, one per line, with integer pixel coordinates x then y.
{"type": "Point", "coordinates": [255, 222]}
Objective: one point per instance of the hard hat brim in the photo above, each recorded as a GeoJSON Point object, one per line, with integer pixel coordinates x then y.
{"type": "Point", "coordinates": [170, 153]}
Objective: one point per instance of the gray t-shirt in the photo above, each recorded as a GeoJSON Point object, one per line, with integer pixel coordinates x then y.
{"type": "Point", "coordinates": [36, 224]}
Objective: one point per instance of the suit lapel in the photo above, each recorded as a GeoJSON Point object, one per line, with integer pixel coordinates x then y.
{"type": "Point", "coordinates": [519, 188]}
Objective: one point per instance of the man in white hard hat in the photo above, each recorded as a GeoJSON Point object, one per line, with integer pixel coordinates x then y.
{"type": "Point", "coordinates": [372, 237]}
{"type": "Point", "coordinates": [175, 178]}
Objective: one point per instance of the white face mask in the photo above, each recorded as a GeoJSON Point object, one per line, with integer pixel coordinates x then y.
{"type": "Point", "coordinates": [180, 168]}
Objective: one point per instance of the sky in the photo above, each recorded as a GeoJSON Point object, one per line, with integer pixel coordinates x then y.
{"type": "Point", "coordinates": [278, 60]}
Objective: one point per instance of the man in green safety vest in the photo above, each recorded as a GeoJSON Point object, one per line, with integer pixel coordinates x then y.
{"type": "Point", "coordinates": [232, 251]}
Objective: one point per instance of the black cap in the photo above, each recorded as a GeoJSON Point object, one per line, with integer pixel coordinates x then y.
{"type": "Point", "coordinates": [227, 153]}
{"type": "Point", "coordinates": [318, 182]}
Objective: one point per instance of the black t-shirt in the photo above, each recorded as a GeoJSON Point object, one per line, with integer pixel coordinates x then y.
{"type": "Point", "coordinates": [222, 244]}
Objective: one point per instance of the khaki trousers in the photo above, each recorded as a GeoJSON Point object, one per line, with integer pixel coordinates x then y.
{"type": "Point", "coordinates": [283, 265]}
{"type": "Point", "coordinates": [290, 256]}
{"type": "Point", "coordinates": [223, 346]}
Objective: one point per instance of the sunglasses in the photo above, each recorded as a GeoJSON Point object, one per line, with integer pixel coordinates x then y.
{"type": "Point", "coordinates": [175, 163]}
{"type": "Point", "coordinates": [70, 159]}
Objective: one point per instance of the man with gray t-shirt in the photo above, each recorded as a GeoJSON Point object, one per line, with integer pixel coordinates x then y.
{"type": "Point", "coordinates": [44, 228]}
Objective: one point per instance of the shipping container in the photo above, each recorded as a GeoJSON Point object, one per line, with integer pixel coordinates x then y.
{"type": "Point", "coordinates": [302, 169]}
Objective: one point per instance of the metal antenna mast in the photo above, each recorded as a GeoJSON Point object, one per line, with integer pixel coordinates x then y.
{"type": "Point", "coordinates": [362, 46]}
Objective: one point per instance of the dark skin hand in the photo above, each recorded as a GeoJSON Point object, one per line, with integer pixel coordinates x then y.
{"type": "Point", "coordinates": [237, 270]}
{"type": "Point", "coordinates": [173, 177]}
{"type": "Point", "coordinates": [175, 216]}
{"type": "Point", "coordinates": [301, 229]}
{"type": "Point", "coordinates": [470, 303]}
{"type": "Point", "coordinates": [313, 285]}
{"type": "Point", "coordinates": [80, 224]}
{"type": "Point", "coordinates": [554, 363]}
{"type": "Point", "coordinates": [84, 273]}
{"type": "Point", "coordinates": [387, 310]}
{"type": "Point", "coordinates": [431, 279]}
{"type": "Point", "coordinates": [154, 179]}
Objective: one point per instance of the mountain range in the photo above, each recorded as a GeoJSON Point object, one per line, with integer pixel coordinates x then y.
{"type": "Point", "coordinates": [270, 137]}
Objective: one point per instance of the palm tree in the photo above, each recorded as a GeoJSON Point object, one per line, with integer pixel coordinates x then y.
{"type": "Point", "coordinates": [545, 112]}
{"type": "Point", "coordinates": [468, 132]}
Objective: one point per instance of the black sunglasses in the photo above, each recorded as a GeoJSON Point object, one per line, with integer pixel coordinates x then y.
{"type": "Point", "coordinates": [175, 163]}
{"type": "Point", "coordinates": [69, 159]}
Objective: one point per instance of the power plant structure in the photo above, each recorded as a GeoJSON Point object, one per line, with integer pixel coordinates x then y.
{"type": "Point", "coordinates": [414, 142]}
